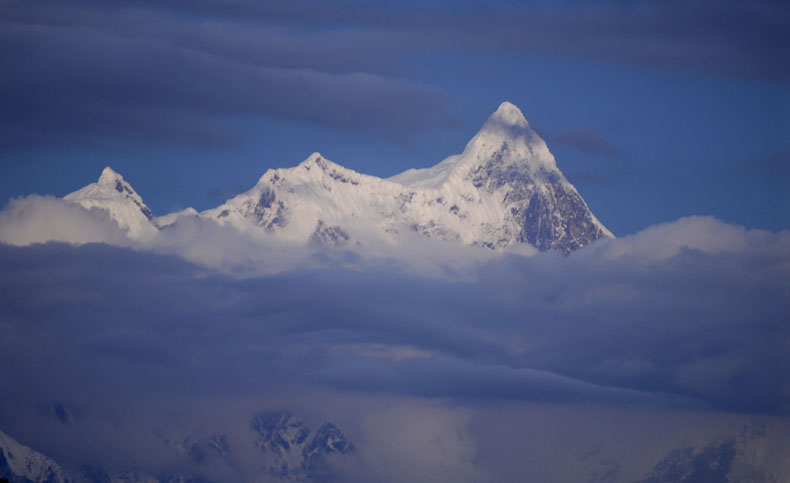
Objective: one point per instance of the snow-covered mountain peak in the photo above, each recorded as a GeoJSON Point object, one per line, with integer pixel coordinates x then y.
{"type": "Point", "coordinates": [503, 189]}
{"type": "Point", "coordinates": [510, 176]}
{"type": "Point", "coordinates": [507, 139]}
{"type": "Point", "coordinates": [110, 186]}
{"type": "Point", "coordinates": [509, 114]}
{"type": "Point", "coordinates": [110, 177]}
{"type": "Point", "coordinates": [313, 168]}
{"type": "Point", "coordinates": [505, 144]}
{"type": "Point", "coordinates": [112, 193]}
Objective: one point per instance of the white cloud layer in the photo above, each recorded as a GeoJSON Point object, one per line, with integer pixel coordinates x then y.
{"type": "Point", "coordinates": [38, 219]}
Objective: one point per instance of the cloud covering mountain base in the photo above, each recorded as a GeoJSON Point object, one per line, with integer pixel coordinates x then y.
{"type": "Point", "coordinates": [683, 323]}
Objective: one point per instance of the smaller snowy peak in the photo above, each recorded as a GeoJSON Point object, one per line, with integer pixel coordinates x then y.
{"type": "Point", "coordinates": [112, 193]}
{"type": "Point", "coordinates": [326, 167]}
{"type": "Point", "coordinates": [314, 166]}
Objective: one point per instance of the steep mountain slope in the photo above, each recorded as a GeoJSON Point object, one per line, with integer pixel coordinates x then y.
{"type": "Point", "coordinates": [507, 166]}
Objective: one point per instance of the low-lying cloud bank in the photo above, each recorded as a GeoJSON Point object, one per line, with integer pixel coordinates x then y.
{"type": "Point", "coordinates": [688, 315]}
{"type": "Point", "coordinates": [691, 311]}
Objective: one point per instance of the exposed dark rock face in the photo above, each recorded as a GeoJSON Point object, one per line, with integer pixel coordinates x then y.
{"type": "Point", "coordinates": [328, 235]}
{"type": "Point", "coordinates": [279, 434]}
{"type": "Point", "coordinates": [267, 211]}
{"type": "Point", "coordinates": [547, 213]}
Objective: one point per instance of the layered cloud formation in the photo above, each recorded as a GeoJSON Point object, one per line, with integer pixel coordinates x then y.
{"type": "Point", "coordinates": [688, 315]}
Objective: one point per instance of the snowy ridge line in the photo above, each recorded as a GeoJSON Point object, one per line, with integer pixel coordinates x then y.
{"type": "Point", "coordinates": [504, 189]}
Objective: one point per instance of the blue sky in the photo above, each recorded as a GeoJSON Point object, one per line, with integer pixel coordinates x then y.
{"type": "Point", "coordinates": [654, 110]}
